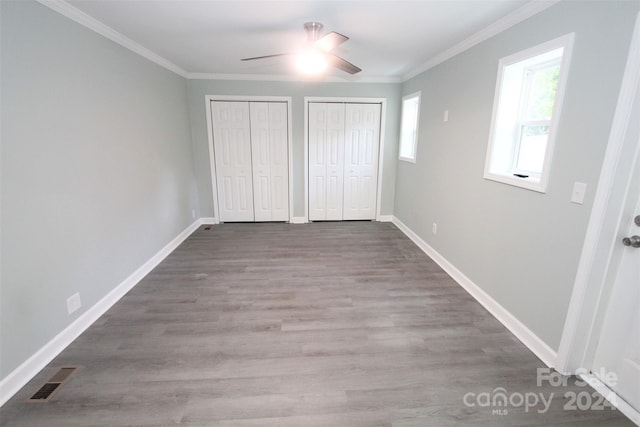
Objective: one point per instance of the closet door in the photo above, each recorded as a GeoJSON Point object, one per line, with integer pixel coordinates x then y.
{"type": "Point", "coordinates": [326, 161]}
{"type": "Point", "coordinates": [362, 139]}
{"type": "Point", "coordinates": [269, 150]}
{"type": "Point", "coordinates": [232, 150]}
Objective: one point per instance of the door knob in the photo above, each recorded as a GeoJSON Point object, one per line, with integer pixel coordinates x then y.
{"type": "Point", "coordinates": [633, 241]}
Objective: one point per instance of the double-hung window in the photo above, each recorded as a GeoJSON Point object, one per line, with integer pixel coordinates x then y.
{"type": "Point", "coordinates": [528, 99]}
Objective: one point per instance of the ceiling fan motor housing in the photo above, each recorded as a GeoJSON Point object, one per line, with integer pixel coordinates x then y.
{"type": "Point", "coordinates": [313, 30]}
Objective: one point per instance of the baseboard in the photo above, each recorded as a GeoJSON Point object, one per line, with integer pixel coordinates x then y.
{"type": "Point", "coordinates": [20, 376]}
{"type": "Point", "coordinates": [545, 353]}
{"type": "Point", "coordinates": [298, 220]}
{"type": "Point", "coordinates": [613, 398]}
{"type": "Point", "coordinates": [385, 218]}
{"type": "Point", "coordinates": [207, 221]}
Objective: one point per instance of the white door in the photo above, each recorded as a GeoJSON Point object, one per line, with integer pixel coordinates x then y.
{"type": "Point", "coordinates": [269, 150]}
{"type": "Point", "coordinates": [362, 139]}
{"type": "Point", "coordinates": [617, 359]}
{"type": "Point", "coordinates": [326, 161]}
{"type": "Point", "coordinates": [618, 349]}
{"type": "Point", "coordinates": [232, 150]}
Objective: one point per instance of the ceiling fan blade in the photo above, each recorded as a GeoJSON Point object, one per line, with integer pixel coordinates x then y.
{"type": "Point", "coordinates": [264, 57]}
{"type": "Point", "coordinates": [330, 41]}
{"type": "Point", "coordinates": [342, 64]}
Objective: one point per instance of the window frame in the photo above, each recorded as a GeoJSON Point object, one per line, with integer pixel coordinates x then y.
{"type": "Point", "coordinates": [508, 151]}
{"type": "Point", "coordinates": [405, 98]}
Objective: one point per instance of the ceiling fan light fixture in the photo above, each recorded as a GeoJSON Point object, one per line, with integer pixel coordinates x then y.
{"type": "Point", "coordinates": [319, 55]}
{"type": "Point", "coordinates": [312, 62]}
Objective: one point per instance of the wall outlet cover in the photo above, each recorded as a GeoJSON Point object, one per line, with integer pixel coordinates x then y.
{"type": "Point", "coordinates": [73, 303]}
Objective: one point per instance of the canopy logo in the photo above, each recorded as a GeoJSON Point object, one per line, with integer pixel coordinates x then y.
{"type": "Point", "coordinates": [500, 401]}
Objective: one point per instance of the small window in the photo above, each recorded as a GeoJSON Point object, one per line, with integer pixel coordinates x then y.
{"type": "Point", "coordinates": [527, 104]}
{"type": "Point", "coordinates": [409, 127]}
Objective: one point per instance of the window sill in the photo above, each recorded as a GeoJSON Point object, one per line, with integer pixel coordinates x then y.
{"type": "Point", "coordinates": [529, 183]}
{"type": "Point", "coordinates": [407, 159]}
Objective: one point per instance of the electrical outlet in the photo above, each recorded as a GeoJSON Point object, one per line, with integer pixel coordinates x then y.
{"type": "Point", "coordinates": [193, 213]}
{"type": "Point", "coordinates": [434, 228]}
{"type": "Point", "coordinates": [73, 303]}
{"type": "Point", "coordinates": [445, 116]}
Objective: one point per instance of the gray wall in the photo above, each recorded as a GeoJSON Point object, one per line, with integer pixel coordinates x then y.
{"type": "Point", "coordinates": [519, 246]}
{"type": "Point", "coordinates": [198, 89]}
{"type": "Point", "coordinates": [96, 172]}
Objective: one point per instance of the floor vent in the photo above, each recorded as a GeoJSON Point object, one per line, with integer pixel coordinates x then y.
{"type": "Point", "coordinates": [207, 228]}
{"type": "Point", "coordinates": [47, 391]}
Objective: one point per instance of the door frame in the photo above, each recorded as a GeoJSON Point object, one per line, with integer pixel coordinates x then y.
{"type": "Point", "coordinates": [592, 288]}
{"type": "Point", "coordinates": [346, 100]}
{"type": "Point", "coordinates": [212, 163]}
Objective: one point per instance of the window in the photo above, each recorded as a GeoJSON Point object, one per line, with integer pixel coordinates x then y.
{"type": "Point", "coordinates": [409, 127]}
{"type": "Point", "coordinates": [528, 99]}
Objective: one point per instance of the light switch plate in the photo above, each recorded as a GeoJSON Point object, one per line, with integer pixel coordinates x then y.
{"type": "Point", "coordinates": [577, 196]}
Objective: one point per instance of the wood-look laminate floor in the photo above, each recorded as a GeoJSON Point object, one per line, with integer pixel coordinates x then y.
{"type": "Point", "coordinates": [324, 324]}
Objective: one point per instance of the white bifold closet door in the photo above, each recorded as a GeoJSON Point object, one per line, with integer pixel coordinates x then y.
{"type": "Point", "coordinates": [269, 140]}
{"type": "Point", "coordinates": [344, 140]}
{"type": "Point", "coordinates": [250, 142]}
{"type": "Point", "coordinates": [232, 149]}
{"type": "Point", "coordinates": [362, 139]}
{"type": "Point", "coordinates": [326, 161]}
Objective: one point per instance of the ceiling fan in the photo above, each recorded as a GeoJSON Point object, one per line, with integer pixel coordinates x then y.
{"type": "Point", "coordinates": [317, 56]}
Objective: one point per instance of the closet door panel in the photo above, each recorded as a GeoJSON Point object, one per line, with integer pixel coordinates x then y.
{"type": "Point", "coordinates": [335, 161]}
{"type": "Point", "coordinates": [279, 155]}
{"type": "Point", "coordinates": [261, 156]}
{"type": "Point", "coordinates": [232, 151]}
{"type": "Point", "coordinates": [362, 130]}
{"type": "Point", "coordinates": [269, 138]}
{"type": "Point", "coordinates": [317, 139]}
{"type": "Point", "coordinates": [326, 161]}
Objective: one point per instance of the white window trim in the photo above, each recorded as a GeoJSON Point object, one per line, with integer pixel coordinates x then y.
{"type": "Point", "coordinates": [534, 182]}
{"type": "Point", "coordinates": [411, 159]}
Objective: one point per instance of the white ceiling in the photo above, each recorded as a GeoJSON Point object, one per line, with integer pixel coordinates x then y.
{"type": "Point", "coordinates": [389, 40]}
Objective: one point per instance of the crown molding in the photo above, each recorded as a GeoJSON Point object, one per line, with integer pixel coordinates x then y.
{"type": "Point", "coordinates": [75, 14]}
{"type": "Point", "coordinates": [528, 10]}
{"type": "Point", "coordinates": [64, 8]}
{"type": "Point", "coordinates": [291, 78]}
